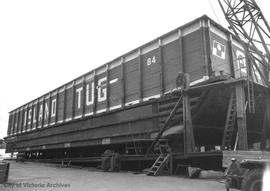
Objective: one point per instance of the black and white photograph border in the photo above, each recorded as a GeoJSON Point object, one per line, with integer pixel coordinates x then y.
{"type": "Point", "coordinates": [134, 95]}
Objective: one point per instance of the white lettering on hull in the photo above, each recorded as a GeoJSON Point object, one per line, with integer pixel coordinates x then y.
{"type": "Point", "coordinates": [46, 111]}
{"type": "Point", "coordinates": [102, 89]}
{"type": "Point", "coordinates": [30, 116]}
{"type": "Point", "coordinates": [25, 118]}
{"type": "Point", "coordinates": [90, 94]}
{"type": "Point", "coordinates": [53, 109]}
{"type": "Point", "coordinates": [34, 115]}
{"type": "Point", "coordinates": [79, 95]}
{"type": "Point", "coordinates": [41, 112]}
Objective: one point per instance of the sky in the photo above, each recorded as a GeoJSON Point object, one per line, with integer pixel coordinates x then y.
{"type": "Point", "coordinates": [44, 44]}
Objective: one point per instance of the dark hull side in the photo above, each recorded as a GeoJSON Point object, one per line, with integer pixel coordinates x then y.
{"type": "Point", "coordinates": [142, 121]}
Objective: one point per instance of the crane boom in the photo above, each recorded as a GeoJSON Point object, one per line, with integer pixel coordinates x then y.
{"type": "Point", "coordinates": [250, 27]}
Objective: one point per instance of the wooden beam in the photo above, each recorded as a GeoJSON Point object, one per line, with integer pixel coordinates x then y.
{"type": "Point", "coordinates": [171, 164]}
{"type": "Point", "coordinates": [230, 49]}
{"type": "Point", "coordinates": [73, 100]}
{"type": "Point", "coordinates": [37, 113]}
{"type": "Point", "coordinates": [241, 116]}
{"type": "Point", "coordinates": [20, 120]}
{"type": "Point", "coordinates": [26, 123]}
{"type": "Point", "coordinates": [108, 88]}
{"type": "Point", "coordinates": [140, 75]}
{"type": "Point", "coordinates": [43, 110]}
{"type": "Point", "coordinates": [160, 49]}
{"type": "Point", "coordinates": [9, 124]}
{"type": "Point", "coordinates": [64, 103]}
{"type": "Point", "coordinates": [50, 106]}
{"type": "Point", "coordinates": [83, 96]}
{"type": "Point", "coordinates": [181, 51]}
{"type": "Point", "coordinates": [95, 92]}
{"type": "Point", "coordinates": [56, 106]}
{"type": "Point", "coordinates": [229, 82]}
{"type": "Point", "coordinates": [123, 81]}
{"type": "Point", "coordinates": [32, 116]}
{"type": "Point", "coordinates": [23, 118]}
{"type": "Point", "coordinates": [16, 122]}
{"type": "Point", "coordinates": [206, 48]}
{"type": "Point", "coordinates": [189, 142]}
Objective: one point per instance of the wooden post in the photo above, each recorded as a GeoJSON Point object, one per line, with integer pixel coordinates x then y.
{"type": "Point", "coordinates": [241, 116]}
{"type": "Point", "coordinates": [189, 142]}
{"type": "Point", "coordinates": [171, 164]}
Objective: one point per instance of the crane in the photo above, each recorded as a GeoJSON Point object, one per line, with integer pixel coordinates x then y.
{"type": "Point", "coordinates": [250, 27]}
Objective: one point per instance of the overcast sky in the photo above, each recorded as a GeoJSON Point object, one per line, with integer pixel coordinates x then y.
{"type": "Point", "coordinates": [44, 44]}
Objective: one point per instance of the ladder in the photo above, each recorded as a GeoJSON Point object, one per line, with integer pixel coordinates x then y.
{"type": "Point", "coordinates": [230, 123]}
{"type": "Point", "coordinates": [165, 125]}
{"type": "Point", "coordinates": [159, 164]}
{"type": "Point", "coordinates": [251, 99]}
